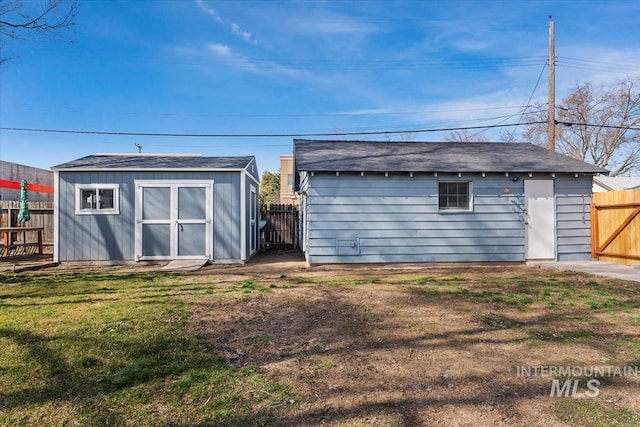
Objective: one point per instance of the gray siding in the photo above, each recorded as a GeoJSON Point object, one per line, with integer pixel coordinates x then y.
{"type": "Point", "coordinates": [573, 220]}
{"type": "Point", "coordinates": [226, 215]}
{"type": "Point", "coordinates": [373, 218]}
{"type": "Point", "coordinates": [111, 237]}
{"type": "Point", "coordinates": [252, 170]}
{"type": "Point", "coordinates": [396, 219]}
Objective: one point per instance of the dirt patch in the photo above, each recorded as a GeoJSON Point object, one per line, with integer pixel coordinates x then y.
{"type": "Point", "coordinates": [420, 345]}
{"type": "Point", "coordinates": [412, 344]}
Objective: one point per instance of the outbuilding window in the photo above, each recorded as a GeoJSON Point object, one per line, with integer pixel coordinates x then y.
{"type": "Point", "coordinates": [454, 196]}
{"type": "Point", "coordinates": [97, 199]}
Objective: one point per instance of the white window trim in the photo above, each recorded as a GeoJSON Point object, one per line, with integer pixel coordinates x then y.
{"type": "Point", "coordinates": [116, 199]}
{"type": "Point", "coordinates": [456, 210]}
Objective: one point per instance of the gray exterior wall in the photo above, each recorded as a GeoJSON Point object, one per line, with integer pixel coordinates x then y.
{"type": "Point", "coordinates": [17, 172]}
{"type": "Point", "coordinates": [252, 170]}
{"type": "Point", "coordinates": [373, 218]}
{"type": "Point", "coordinates": [111, 237]}
{"type": "Point", "coordinates": [573, 217]}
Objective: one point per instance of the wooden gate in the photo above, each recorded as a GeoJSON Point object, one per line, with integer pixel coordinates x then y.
{"type": "Point", "coordinates": [615, 226]}
{"type": "Point", "coordinates": [282, 228]}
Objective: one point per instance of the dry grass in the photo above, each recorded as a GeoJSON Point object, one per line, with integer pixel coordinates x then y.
{"type": "Point", "coordinates": [419, 346]}
{"type": "Point", "coordinates": [277, 344]}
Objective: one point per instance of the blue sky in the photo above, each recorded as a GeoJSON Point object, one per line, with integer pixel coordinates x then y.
{"type": "Point", "coordinates": [296, 67]}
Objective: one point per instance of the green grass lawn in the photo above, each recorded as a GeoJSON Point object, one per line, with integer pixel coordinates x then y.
{"type": "Point", "coordinates": [114, 349]}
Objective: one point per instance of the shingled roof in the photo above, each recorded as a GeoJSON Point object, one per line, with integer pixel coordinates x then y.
{"type": "Point", "coordinates": [367, 156]}
{"type": "Point", "coordinates": [153, 161]}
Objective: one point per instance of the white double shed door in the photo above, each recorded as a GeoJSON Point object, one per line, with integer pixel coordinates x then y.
{"type": "Point", "coordinates": [173, 219]}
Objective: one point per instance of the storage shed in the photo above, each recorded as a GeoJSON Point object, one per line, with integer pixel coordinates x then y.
{"type": "Point", "coordinates": [126, 208]}
{"type": "Point", "coordinates": [366, 202]}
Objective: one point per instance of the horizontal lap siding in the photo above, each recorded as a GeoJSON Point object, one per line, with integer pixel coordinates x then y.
{"type": "Point", "coordinates": [573, 200]}
{"type": "Point", "coordinates": [457, 257]}
{"type": "Point", "coordinates": [396, 219]}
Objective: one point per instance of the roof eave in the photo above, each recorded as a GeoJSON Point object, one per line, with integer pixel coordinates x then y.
{"type": "Point", "coordinates": [584, 172]}
{"type": "Point", "coordinates": [141, 169]}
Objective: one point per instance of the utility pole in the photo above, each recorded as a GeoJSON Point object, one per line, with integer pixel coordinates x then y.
{"type": "Point", "coordinates": [551, 124]}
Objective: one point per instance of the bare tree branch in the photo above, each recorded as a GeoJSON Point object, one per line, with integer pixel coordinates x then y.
{"type": "Point", "coordinates": [52, 16]}
{"type": "Point", "coordinates": [464, 136]}
{"type": "Point", "coordinates": [20, 18]}
{"type": "Point", "coordinates": [597, 125]}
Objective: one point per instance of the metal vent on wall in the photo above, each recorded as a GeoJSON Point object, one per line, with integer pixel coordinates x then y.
{"type": "Point", "coordinates": [348, 246]}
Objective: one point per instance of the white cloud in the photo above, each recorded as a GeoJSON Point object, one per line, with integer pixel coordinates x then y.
{"type": "Point", "coordinates": [238, 61]}
{"type": "Point", "coordinates": [233, 27]}
{"type": "Point", "coordinates": [203, 6]}
{"type": "Point", "coordinates": [221, 50]}
{"type": "Point", "coordinates": [325, 22]}
{"type": "Point", "coordinates": [597, 64]}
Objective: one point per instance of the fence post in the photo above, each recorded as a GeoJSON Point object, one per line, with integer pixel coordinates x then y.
{"type": "Point", "coordinates": [595, 238]}
{"type": "Point", "coordinates": [40, 251]}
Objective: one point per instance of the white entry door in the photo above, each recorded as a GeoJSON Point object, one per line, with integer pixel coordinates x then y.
{"type": "Point", "coordinates": [540, 223]}
{"type": "Point", "coordinates": [173, 220]}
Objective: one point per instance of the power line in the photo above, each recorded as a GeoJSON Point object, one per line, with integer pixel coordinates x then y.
{"type": "Point", "coordinates": [598, 126]}
{"type": "Point", "coordinates": [301, 134]}
{"type": "Point", "coordinates": [249, 62]}
{"type": "Point", "coordinates": [595, 65]}
{"type": "Point", "coordinates": [524, 109]}
{"type": "Point", "coordinates": [534, 89]}
{"type": "Point", "coordinates": [256, 135]}
{"type": "Point", "coordinates": [354, 113]}
{"type": "Point", "coordinates": [605, 70]}
{"type": "Point", "coordinates": [243, 62]}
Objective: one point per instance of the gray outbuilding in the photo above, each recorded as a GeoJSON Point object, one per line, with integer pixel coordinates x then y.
{"type": "Point", "coordinates": [126, 208]}
{"type": "Point", "coordinates": [370, 202]}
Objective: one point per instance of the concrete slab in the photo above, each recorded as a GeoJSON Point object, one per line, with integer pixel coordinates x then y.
{"type": "Point", "coordinates": [599, 268]}
{"type": "Point", "coordinates": [183, 265]}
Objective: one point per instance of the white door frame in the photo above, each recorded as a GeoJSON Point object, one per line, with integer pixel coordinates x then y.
{"type": "Point", "coordinates": [539, 219]}
{"type": "Point", "coordinates": [174, 185]}
{"type": "Point", "coordinates": [253, 219]}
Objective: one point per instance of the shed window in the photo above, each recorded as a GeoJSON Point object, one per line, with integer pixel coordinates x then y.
{"type": "Point", "coordinates": [454, 196]}
{"type": "Point", "coordinates": [97, 199]}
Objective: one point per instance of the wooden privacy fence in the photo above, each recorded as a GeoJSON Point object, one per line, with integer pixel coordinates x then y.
{"type": "Point", "coordinates": [282, 227]}
{"type": "Point", "coordinates": [615, 226]}
{"type": "Point", "coordinates": [39, 231]}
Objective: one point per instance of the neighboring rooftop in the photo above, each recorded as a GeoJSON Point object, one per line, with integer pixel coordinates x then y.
{"type": "Point", "coordinates": [154, 161]}
{"type": "Point", "coordinates": [615, 183]}
{"type": "Point", "coordinates": [366, 156]}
